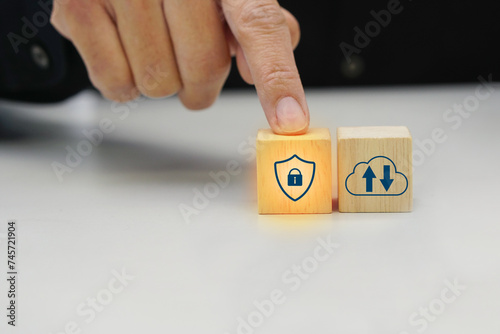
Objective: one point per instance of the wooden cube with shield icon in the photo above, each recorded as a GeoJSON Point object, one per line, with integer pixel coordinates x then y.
{"type": "Point", "coordinates": [294, 173]}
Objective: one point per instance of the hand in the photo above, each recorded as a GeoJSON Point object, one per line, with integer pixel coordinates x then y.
{"type": "Point", "coordinates": [162, 47]}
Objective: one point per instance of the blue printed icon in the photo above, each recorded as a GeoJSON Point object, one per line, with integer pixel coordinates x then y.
{"type": "Point", "coordinates": [294, 179]}
{"type": "Point", "coordinates": [294, 176]}
{"type": "Point", "coordinates": [378, 176]}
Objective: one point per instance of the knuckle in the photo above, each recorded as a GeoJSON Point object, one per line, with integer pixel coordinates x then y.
{"type": "Point", "coordinates": [203, 83]}
{"type": "Point", "coordinates": [157, 80]}
{"type": "Point", "coordinates": [117, 88]}
{"type": "Point", "coordinates": [196, 105]}
{"type": "Point", "coordinates": [119, 92]}
{"type": "Point", "coordinates": [261, 16]}
{"type": "Point", "coordinates": [120, 96]}
{"type": "Point", "coordinates": [199, 102]}
{"type": "Point", "coordinates": [208, 70]}
{"type": "Point", "coordinates": [161, 90]}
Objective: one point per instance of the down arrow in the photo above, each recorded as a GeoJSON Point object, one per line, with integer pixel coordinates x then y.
{"type": "Point", "coordinates": [387, 181]}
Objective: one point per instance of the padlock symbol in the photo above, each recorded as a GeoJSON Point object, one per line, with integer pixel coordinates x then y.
{"type": "Point", "coordinates": [295, 180]}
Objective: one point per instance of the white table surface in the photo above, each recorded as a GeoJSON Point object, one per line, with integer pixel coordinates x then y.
{"type": "Point", "coordinates": [119, 210]}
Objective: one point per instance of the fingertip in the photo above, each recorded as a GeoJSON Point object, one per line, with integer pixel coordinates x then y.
{"type": "Point", "coordinates": [291, 118]}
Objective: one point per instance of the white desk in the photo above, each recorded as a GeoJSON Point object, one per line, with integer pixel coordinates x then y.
{"type": "Point", "coordinates": [120, 209]}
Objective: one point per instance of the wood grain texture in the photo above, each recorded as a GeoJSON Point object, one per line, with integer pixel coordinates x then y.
{"type": "Point", "coordinates": [386, 151]}
{"type": "Point", "coordinates": [314, 146]}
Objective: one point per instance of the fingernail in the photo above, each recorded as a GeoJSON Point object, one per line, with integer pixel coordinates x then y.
{"type": "Point", "coordinates": [291, 117]}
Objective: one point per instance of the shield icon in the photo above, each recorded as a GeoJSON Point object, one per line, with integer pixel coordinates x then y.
{"type": "Point", "coordinates": [289, 171]}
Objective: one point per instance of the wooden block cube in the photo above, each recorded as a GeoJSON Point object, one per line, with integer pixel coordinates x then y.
{"type": "Point", "coordinates": [374, 169]}
{"type": "Point", "coordinates": [294, 173]}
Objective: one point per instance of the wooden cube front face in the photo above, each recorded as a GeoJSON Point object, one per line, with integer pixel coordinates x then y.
{"type": "Point", "coordinates": [375, 169]}
{"type": "Point", "coordinates": [294, 173]}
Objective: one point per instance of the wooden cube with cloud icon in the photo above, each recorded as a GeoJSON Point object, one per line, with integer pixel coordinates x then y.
{"type": "Point", "coordinates": [375, 169]}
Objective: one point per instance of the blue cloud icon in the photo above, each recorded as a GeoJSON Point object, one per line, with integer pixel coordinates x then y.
{"type": "Point", "coordinates": [377, 177]}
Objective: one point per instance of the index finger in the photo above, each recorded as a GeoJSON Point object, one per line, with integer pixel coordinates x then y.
{"type": "Point", "coordinates": [261, 29]}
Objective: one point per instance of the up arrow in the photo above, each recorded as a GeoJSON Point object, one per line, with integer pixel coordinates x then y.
{"type": "Point", "coordinates": [369, 176]}
{"type": "Point", "coordinates": [387, 181]}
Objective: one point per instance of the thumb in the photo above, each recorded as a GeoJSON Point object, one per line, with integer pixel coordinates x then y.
{"type": "Point", "coordinates": [261, 29]}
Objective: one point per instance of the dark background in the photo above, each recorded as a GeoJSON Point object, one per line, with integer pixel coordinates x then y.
{"type": "Point", "coordinates": [427, 42]}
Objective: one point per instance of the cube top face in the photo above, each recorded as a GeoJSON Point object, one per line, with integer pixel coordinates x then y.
{"type": "Point", "coordinates": [375, 169]}
{"type": "Point", "coordinates": [294, 173]}
{"type": "Point", "coordinates": [312, 134]}
{"type": "Point", "coordinates": [373, 132]}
